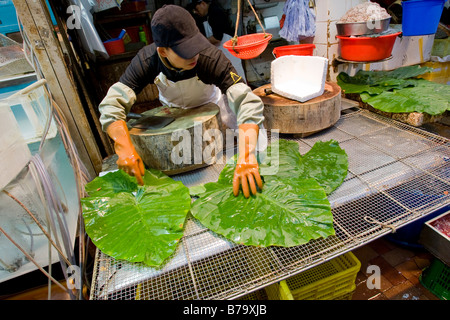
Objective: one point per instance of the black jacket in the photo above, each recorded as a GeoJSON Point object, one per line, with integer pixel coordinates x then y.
{"type": "Point", "coordinates": [212, 68]}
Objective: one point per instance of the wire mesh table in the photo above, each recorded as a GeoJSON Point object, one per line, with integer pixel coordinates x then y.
{"type": "Point", "coordinates": [397, 174]}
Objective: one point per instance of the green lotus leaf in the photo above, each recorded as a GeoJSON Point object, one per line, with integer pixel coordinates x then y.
{"type": "Point", "coordinates": [286, 213]}
{"type": "Point", "coordinates": [326, 162]}
{"type": "Point", "coordinates": [375, 82]}
{"type": "Point", "coordinates": [291, 209]}
{"type": "Point", "coordinates": [132, 222]}
{"type": "Point", "coordinates": [424, 96]}
{"type": "Point", "coordinates": [398, 91]}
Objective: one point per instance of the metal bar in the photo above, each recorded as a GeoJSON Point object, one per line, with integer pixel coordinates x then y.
{"type": "Point", "coordinates": [190, 268]}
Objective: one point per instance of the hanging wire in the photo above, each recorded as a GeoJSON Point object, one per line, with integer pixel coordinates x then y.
{"type": "Point", "coordinates": [53, 203]}
{"type": "Point", "coordinates": [32, 260]}
{"type": "Point", "coordinates": [257, 17]}
{"type": "Point", "coordinates": [39, 225]}
{"type": "Point", "coordinates": [234, 40]}
{"type": "Point", "coordinates": [81, 178]}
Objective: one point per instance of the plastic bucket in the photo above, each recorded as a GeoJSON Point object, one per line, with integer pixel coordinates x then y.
{"type": "Point", "coordinates": [114, 47]}
{"type": "Point", "coordinates": [421, 17]}
{"type": "Point", "coordinates": [294, 50]}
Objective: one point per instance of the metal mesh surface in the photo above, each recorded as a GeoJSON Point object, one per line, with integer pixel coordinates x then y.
{"type": "Point", "coordinates": [396, 175]}
{"type": "Point", "coordinates": [12, 58]}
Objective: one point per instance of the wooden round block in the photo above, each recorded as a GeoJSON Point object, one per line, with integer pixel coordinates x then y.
{"type": "Point", "coordinates": [304, 119]}
{"type": "Point", "coordinates": [182, 145]}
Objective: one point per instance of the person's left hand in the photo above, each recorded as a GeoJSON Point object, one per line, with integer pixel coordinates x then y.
{"type": "Point", "coordinates": [246, 173]}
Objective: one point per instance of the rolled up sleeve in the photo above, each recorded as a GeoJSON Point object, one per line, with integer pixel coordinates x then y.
{"type": "Point", "coordinates": [116, 104]}
{"type": "Point", "coordinates": [247, 106]}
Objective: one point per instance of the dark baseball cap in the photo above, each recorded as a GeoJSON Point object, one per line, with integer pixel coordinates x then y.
{"type": "Point", "coordinates": [174, 27]}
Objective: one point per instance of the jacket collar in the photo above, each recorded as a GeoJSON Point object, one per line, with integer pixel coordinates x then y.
{"type": "Point", "coordinates": [167, 64]}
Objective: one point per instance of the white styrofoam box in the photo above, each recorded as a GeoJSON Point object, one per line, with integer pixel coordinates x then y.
{"type": "Point", "coordinates": [299, 78]}
{"type": "Point", "coordinates": [14, 152]}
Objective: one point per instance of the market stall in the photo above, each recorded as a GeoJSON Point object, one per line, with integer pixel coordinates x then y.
{"type": "Point", "coordinates": [397, 174]}
{"type": "Point", "coordinates": [336, 177]}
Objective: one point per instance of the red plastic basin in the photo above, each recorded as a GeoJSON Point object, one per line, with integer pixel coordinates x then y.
{"type": "Point", "coordinates": [294, 50]}
{"type": "Point", "coordinates": [114, 47]}
{"type": "Point", "coordinates": [367, 48]}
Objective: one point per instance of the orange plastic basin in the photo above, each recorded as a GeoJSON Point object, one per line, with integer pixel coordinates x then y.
{"type": "Point", "coordinates": [367, 48]}
{"type": "Point", "coordinates": [249, 46]}
{"type": "Point", "coordinates": [296, 50]}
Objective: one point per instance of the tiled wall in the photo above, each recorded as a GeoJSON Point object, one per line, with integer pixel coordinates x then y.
{"type": "Point", "coordinates": [328, 12]}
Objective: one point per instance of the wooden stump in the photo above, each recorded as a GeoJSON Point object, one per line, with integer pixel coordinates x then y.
{"type": "Point", "coordinates": [303, 119]}
{"type": "Point", "coordinates": [190, 142]}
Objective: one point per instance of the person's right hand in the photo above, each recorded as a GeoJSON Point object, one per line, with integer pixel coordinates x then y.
{"type": "Point", "coordinates": [129, 160]}
{"type": "Point", "coordinates": [246, 174]}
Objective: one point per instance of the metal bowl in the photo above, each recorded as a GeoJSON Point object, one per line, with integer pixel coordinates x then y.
{"type": "Point", "coordinates": [362, 28]}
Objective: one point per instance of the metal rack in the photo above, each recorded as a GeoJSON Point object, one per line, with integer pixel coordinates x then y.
{"type": "Point", "coordinates": [13, 62]}
{"type": "Point", "coordinates": [397, 174]}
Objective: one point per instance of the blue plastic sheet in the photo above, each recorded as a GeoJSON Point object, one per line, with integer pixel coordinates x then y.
{"type": "Point", "coordinates": [300, 20]}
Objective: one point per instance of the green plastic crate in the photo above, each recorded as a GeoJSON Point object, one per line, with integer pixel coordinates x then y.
{"type": "Point", "coordinates": [436, 278]}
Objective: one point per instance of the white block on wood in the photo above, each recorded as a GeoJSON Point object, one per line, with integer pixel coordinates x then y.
{"type": "Point", "coordinates": [300, 78]}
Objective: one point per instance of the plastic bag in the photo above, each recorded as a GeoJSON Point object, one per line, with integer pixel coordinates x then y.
{"type": "Point", "coordinates": [80, 9]}
{"type": "Point", "coordinates": [300, 21]}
